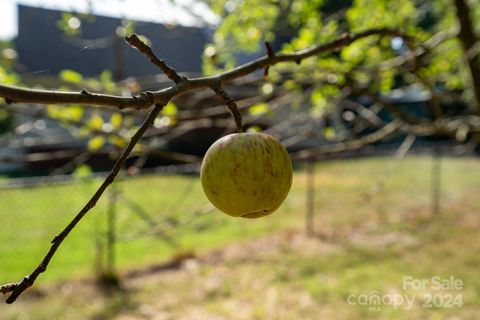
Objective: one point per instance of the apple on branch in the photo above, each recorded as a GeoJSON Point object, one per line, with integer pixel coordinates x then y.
{"type": "Point", "coordinates": [246, 174]}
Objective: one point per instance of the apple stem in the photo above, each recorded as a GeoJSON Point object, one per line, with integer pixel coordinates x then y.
{"type": "Point", "coordinates": [232, 106]}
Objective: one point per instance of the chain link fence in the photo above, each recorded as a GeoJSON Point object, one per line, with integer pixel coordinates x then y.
{"type": "Point", "coordinates": [136, 214]}
{"type": "Point", "coordinates": [163, 212]}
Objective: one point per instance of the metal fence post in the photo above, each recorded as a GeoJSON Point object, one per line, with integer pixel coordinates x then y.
{"type": "Point", "coordinates": [436, 180]}
{"type": "Point", "coordinates": [110, 274]}
{"type": "Point", "coordinates": [309, 214]}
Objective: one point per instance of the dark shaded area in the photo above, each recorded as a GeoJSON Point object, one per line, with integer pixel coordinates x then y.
{"type": "Point", "coordinates": [43, 46]}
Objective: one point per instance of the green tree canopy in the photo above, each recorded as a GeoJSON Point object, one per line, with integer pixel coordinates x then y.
{"type": "Point", "coordinates": [433, 55]}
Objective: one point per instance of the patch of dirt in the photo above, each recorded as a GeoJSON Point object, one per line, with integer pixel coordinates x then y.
{"type": "Point", "coordinates": [186, 286]}
{"type": "Point", "coordinates": [254, 279]}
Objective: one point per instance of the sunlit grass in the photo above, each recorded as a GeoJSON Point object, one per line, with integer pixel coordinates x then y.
{"type": "Point", "coordinates": [32, 217]}
{"type": "Point", "coordinates": [366, 239]}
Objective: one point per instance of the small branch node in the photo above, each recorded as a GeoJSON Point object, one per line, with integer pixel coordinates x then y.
{"type": "Point", "coordinates": [346, 36]}
{"type": "Point", "coordinates": [134, 41]}
{"type": "Point", "coordinates": [159, 99]}
{"type": "Point", "coordinates": [269, 48]}
{"type": "Point", "coordinates": [271, 54]}
{"type": "Point", "coordinates": [17, 289]}
{"type": "Point", "coordinates": [265, 72]}
{"type": "Point", "coordinates": [9, 287]}
{"type": "Point", "coordinates": [232, 106]}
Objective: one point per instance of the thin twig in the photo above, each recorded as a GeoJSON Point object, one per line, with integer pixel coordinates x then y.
{"type": "Point", "coordinates": [270, 54]}
{"type": "Point", "coordinates": [391, 107]}
{"type": "Point", "coordinates": [17, 288]}
{"type": "Point", "coordinates": [145, 99]}
{"type": "Point", "coordinates": [437, 111]}
{"type": "Point", "coordinates": [159, 99]}
{"type": "Point", "coordinates": [269, 48]}
{"type": "Point", "coordinates": [468, 39]}
{"type": "Point", "coordinates": [141, 46]}
{"type": "Point", "coordinates": [379, 135]}
{"type": "Point", "coordinates": [392, 166]}
{"type": "Point", "coordinates": [232, 106]}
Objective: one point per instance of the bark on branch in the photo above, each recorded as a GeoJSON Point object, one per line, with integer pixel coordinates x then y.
{"type": "Point", "coordinates": [18, 288]}
{"type": "Point", "coordinates": [467, 37]}
{"type": "Point", "coordinates": [159, 99]}
{"type": "Point", "coordinates": [144, 100]}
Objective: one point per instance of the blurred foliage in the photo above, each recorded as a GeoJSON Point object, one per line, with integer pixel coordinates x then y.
{"type": "Point", "coordinates": [258, 109]}
{"type": "Point", "coordinates": [71, 76]}
{"type": "Point", "coordinates": [297, 24]}
{"type": "Point", "coordinates": [7, 76]}
{"type": "Point", "coordinates": [294, 25]}
{"type": "Point", "coordinates": [70, 24]}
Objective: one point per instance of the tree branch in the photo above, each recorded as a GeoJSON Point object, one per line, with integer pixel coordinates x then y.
{"type": "Point", "coordinates": [232, 106]}
{"type": "Point", "coordinates": [144, 100]}
{"type": "Point", "coordinates": [159, 99]}
{"type": "Point", "coordinates": [452, 127]}
{"type": "Point", "coordinates": [354, 144]}
{"type": "Point", "coordinates": [467, 37]}
{"type": "Point", "coordinates": [141, 46]}
{"type": "Point", "coordinates": [18, 288]}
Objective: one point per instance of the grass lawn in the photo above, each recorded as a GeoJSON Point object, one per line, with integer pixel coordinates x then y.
{"type": "Point", "coordinates": [31, 217]}
{"type": "Point", "coordinates": [367, 239]}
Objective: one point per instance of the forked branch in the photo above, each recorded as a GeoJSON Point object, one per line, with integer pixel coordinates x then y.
{"type": "Point", "coordinates": [144, 100]}
{"type": "Point", "coordinates": [159, 99]}
{"type": "Point", "coordinates": [17, 288]}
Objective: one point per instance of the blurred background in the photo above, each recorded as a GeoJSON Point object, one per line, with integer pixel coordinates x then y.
{"type": "Point", "coordinates": [382, 219]}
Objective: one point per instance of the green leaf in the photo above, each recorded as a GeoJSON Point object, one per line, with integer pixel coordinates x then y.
{"type": "Point", "coordinates": [70, 24]}
{"type": "Point", "coordinates": [254, 129]}
{"type": "Point", "coordinates": [82, 172]}
{"type": "Point", "coordinates": [386, 80]}
{"type": "Point", "coordinates": [319, 103]}
{"type": "Point", "coordinates": [127, 28]}
{"type": "Point", "coordinates": [318, 99]}
{"type": "Point", "coordinates": [106, 80]}
{"type": "Point", "coordinates": [3, 114]}
{"type": "Point", "coordinates": [6, 77]}
{"type": "Point", "coordinates": [71, 76]}
{"type": "Point", "coordinates": [96, 143]}
{"type": "Point", "coordinates": [170, 109]}
{"type": "Point", "coordinates": [145, 39]}
{"type": "Point", "coordinates": [117, 141]}
{"type": "Point", "coordinates": [116, 120]}
{"type": "Point", "coordinates": [95, 122]}
{"type": "Point", "coordinates": [74, 112]}
{"type": "Point", "coordinates": [352, 53]}
{"type": "Point", "coordinates": [258, 109]}
{"type": "Point", "coordinates": [53, 111]}
{"type": "Point", "coordinates": [329, 133]}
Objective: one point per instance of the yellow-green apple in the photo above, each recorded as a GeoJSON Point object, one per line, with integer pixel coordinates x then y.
{"type": "Point", "coordinates": [246, 174]}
